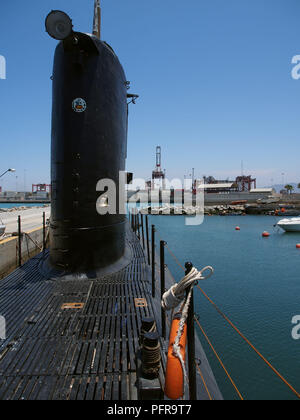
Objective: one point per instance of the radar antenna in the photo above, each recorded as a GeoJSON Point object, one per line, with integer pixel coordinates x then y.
{"type": "Point", "coordinates": [97, 19]}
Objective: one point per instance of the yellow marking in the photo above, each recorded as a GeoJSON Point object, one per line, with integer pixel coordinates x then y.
{"type": "Point", "coordinates": [74, 305]}
{"type": "Point", "coordinates": [4, 241]}
{"type": "Point", "coordinates": [140, 303]}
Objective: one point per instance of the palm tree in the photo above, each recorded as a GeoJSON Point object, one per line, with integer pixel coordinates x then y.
{"type": "Point", "coordinates": [289, 188]}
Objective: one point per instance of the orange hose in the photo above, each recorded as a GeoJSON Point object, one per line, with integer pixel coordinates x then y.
{"type": "Point", "coordinates": [174, 375]}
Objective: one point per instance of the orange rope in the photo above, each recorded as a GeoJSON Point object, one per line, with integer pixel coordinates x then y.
{"type": "Point", "coordinates": [204, 383]}
{"type": "Point", "coordinates": [219, 359]}
{"type": "Point", "coordinates": [250, 344]}
{"type": "Point", "coordinates": [174, 257]}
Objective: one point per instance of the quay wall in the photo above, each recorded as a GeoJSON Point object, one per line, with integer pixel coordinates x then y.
{"type": "Point", "coordinates": [31, 245]}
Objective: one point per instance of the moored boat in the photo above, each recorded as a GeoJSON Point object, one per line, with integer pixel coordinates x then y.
{"type": "Point", "coordinates": [290, 225]}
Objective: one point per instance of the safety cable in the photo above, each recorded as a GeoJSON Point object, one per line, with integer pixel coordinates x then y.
{"type": "Point", "coordinates": [250, 344]}
{"type": "Point", "coordinates": [204, 383]}
{"type": "Point", "coordinates": [219, 359]}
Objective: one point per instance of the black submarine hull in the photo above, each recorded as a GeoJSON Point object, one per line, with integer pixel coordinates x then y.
{"type": "Point", "coordinates": [89, 142]}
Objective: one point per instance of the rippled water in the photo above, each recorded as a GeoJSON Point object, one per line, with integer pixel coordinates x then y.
{"type": "Point", "coordinates": [257, 284]}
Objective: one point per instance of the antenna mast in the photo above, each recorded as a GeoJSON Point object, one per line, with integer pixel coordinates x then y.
{"type": "Point", "coordinates": [97, 19]}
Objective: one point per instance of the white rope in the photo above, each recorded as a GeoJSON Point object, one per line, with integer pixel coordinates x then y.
{"type": "Point", "coordinates": [173, 297]}
{"type": "Point", "coordinates": [176, 346]}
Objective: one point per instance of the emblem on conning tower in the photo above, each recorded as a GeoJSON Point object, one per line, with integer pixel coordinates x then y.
{"type": "Point", "coordinates": [79, 105]}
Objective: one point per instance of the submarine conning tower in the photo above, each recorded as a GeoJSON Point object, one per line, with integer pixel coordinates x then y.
{"type": "Point", "coordinates": [89, 142]}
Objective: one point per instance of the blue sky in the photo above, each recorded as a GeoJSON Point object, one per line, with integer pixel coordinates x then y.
{"type": "Point", "coordinates": [214, 79]}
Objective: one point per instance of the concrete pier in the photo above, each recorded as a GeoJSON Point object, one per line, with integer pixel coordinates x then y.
{"type": "Point", "coordinates": [31, 240]}
{"type": "Point", "coordinates": [32, 218]}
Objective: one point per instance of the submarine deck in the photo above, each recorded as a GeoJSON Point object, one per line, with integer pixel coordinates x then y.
{"type": "Point", "coordinates": [78, 339]}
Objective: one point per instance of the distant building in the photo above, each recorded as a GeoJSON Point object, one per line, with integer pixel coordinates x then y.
{"type": "Point", "coordinates": [245, 183]}
{"type": "Point", "coordinates": [212, 185]}
{"type": "Point", "coordinates": [217, 187]}
{"type": "Point", "coordinates": [265, 191]}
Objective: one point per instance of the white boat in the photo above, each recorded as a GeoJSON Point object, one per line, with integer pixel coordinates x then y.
{"type": "Point", "coordinates": [290, 225]}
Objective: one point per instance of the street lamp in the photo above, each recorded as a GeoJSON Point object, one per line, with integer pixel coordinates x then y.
{"type": "Point", "coordinates": [8, 170]}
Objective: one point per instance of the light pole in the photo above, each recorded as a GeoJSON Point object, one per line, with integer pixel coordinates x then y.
{"type": "Point", "coordinates": [8, 170]}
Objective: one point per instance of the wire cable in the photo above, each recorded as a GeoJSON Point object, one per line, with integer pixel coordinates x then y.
{"type": "Point", "coordinates": [219, 359]}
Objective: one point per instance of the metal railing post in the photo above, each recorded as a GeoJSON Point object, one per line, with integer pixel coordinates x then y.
{"type": "Point", "coordinates": [44, 231]}
{"type": "Point", "coordinates": [147, 239]}
{"type": "Point", "coordinates": [20, 241]}
{"type": "Point", "coordinates": [191, 343]}
{"type": "Point", "coordinates": [153, 259]}
{"type": "Point", "coordinates": [162, 286]}
{"type": "Point", "coordinates": [143, 231]}
{"type": "Point", "coordinates": [138, 225]}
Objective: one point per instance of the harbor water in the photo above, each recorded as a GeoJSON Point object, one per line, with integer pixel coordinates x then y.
{"type": "Point", "coordinates": [256, 284]}
{"type": "Point", "coordinates": [15, 205]}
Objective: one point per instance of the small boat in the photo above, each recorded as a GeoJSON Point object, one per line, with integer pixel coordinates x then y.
{"type": "Point", "coordinates": [290, 225]}
{"type": "Point", "coordinates": [240, 202]}
{"type": "Point", "coordinates": [2, 229]}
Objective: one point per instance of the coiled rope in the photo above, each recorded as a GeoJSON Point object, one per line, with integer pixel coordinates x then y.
{"type": "Point", "coordinates": [175, 295]}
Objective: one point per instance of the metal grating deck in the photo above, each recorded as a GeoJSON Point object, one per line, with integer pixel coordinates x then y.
{"type": "Point", "coordinates": [85, 352]}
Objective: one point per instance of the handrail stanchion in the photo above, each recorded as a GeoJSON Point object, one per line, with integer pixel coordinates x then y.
{"type": "Point", "coordinates": [44, 231]}
{"type": "Point", "coordinates": [138, 225]}
{"type": "Point", "coordinates": [191, 343]}
{"type": "Point", "coordinates": [20, 241]}
{"type": "Point", "coordinates": [147, 239]}
{"type": "Point", "coordinates": [162, 286]}
{"type": "Point", "coordinates": [143, 231]}
{"type": "Point", "coordinates": [153, 260]}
